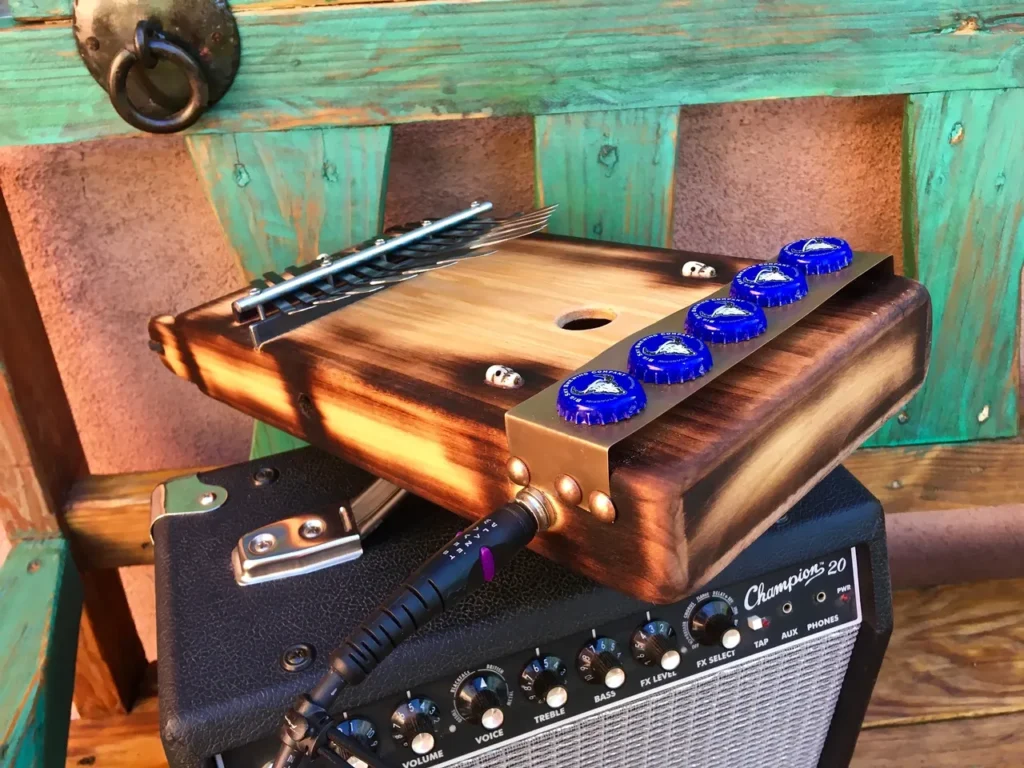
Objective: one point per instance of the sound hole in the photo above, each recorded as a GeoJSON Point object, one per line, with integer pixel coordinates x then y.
{"type": "Point", "coordinates": [585, 319]}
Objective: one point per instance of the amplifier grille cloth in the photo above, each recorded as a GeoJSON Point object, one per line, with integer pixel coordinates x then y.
{"type": "Point", "coordinates": [771, 710]}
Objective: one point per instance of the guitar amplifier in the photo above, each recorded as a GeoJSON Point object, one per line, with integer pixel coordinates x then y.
{"type": "Point", "coordinates": [771, 663]}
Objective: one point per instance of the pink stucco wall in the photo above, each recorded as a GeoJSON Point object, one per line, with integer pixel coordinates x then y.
{"type": "Point", "coordinates": [115, 232]}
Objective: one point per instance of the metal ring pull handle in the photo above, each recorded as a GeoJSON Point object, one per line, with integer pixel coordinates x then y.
{"type": "Point", "coordinates": [150, 46]}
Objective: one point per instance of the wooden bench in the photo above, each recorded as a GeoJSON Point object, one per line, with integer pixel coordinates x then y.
{"type": "Point", "coordinates": [598, 77]}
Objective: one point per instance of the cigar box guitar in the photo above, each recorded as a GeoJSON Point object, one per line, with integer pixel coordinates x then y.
{"type": "Point", "coordinates": [669, 406]}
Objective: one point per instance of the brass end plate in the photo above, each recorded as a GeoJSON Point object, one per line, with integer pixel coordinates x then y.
{"type": "Point", "coordinates": [551, 447]}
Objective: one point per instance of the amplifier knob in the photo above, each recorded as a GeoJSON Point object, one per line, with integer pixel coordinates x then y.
{"type": "Point", "coordinates": [655, 643]}
{"type": "Point", "coordinates": [543, 681]}
{"type": "Point", "coordinates": [480, 700]}
{"type": "Point", "coordinates": [413, 724]}
{"type": "Point", "coordinates": [363, 731]}
{"type": "Point", "coordinates": [600, 662]}
{"type": "Point", "coordinates": [714, 623]}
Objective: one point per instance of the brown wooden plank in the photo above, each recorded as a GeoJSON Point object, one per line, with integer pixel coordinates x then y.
{"type": "Point", "coordinates": [40, 457]}
{"type": "Point", "coordinates": [120, 741]}
{"type": "Point", "coordinates": [952, 476]}
{"type": "Point", "coordinates": [980, 742]}
{"type": "Point", "coordinates": [395, 384]}
{"type": "Point", "coordinates": [108, 517]}
{"type": "Point", "coordinates": [955, 652]}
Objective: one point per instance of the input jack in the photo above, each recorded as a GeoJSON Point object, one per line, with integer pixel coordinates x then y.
{"type": "Point", "coordinates": [787, 607]}
{"type": "Point", "coordinates": [820, 597]}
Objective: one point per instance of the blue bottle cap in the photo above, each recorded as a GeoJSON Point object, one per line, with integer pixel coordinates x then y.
{"type": "Point", "coordinates": [600, 397]}
{"type": "Point", "coordinates": [817, 255]}
{"type": "Point", "coordinates": [723, 321]}
{"type": "Point", "coordinates": [669, 358]}
{"type": "Point", "coordinates": [770, 285]}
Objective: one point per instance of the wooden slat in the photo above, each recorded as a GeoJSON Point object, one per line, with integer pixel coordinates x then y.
{"type": "Point", "coordinates": [984, 742]}
{"type": "Point", "coordinates": [988, 473]}
{"type": "Point", "coordinates": [29, 11]}
{"type": "Point", "coordinates": [955, 652]}
{"type": "Point", "coordinates": [108, 517]}
{"type": "Point", "coordinates": [612, 174]}
{"type": "Point", "coordinates": [40, 10]}
{"type": "Point", "coordinates": [40, 600]}
{"type": "Point", "coordinates": [284, 197]}
{"type": "Point", "coordinates": [40, 457]}
{"type": "Point", "coordinates": [963, 229]}
{"type": "Point", "coordinates": [399, 62]}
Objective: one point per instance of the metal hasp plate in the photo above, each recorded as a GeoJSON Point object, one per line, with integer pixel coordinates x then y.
{"type": "Point", "coordinates": [552, 447]}
{"type": "Point", "coordinates": [312, 541]}
{"type": "Point", "coordinates": [163, 54]}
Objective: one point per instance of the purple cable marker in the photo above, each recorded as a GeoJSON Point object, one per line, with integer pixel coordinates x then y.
{"type": "Point", "coordinates": [487, 563]}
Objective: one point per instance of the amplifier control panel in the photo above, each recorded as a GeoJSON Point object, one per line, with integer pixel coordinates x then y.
{"type": "Point", "coordinates": [517, 696]}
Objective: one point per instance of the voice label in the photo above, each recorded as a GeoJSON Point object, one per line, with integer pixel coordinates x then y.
{"type": "Point", "coordinates": [485, 737]}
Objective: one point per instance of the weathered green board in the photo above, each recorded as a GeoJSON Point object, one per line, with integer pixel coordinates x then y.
{"type": "Point", "coordinates": [963, 218]}
{"type": "Point", "coordinates": [40, 605]}
{"type": "Point", "coordinates": [283, 197]}
{"type": "Point", "coordinates": [385, 63]}
{"type": "Point", "coordinates": [612, 174]}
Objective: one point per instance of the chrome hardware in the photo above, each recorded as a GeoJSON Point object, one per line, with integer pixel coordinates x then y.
{"type": "Point", "coordinates": [186, 495]}
{"type": "Point", "coordinates": [307, 543]}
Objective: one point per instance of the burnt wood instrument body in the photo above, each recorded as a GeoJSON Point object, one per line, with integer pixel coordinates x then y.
{"type": "Point", "coordinates": [395, 384]}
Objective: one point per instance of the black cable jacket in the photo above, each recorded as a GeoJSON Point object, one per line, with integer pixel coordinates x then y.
{"type": "Point", "coordinates": [463, 564]}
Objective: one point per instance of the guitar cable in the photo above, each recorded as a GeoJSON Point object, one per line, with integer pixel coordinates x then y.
{"type": "Point", "coordinates": [468, 561]}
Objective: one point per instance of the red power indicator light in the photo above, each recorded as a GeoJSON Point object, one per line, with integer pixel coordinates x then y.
{"type": "Point", "coordinates": [845, 597]}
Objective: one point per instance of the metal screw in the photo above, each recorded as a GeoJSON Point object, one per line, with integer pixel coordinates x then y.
{"type": "Point", "coordinates": [208, 498]}
{"type": "Point", "coordinates": [903, 417]}
{"type": "Point", "coordinates": [92, 44]}
{"type": "Point", "coordinates": [262, 543]}
{"type": "Point", "coordinates": [324, 259]}
{"type": "Point", "coordinates": [895, 485]}
{"type": "Point", "coordinates": [254, 291]}
{"type": "Point", "coordinates": [298, 657]}
{"type": "Point", "coordinates": [379, 241]}
{"type": "Point", "coordinates": [312, 529]}
{"type": "Point", "coordinates": [475, 204]}
{"type": "Point", "coordinates": [217, 37]}
{"type": "Point", "coordinates": [426, 222]}
{"type": "Point", "coordinates": [602, 508]}
{"type": "Point", "coordinates": [34, 566]}
{"type": "Point", "coordinates": [264, 476]}
{"type": "Point", "coordinates": [517, 470]}
{"type": "Point", "coordinates": [568, 490]}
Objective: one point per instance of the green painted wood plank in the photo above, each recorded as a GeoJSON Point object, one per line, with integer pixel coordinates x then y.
{"type": "Point", "coordinates": [963, 217]}
{"type": "Point", "coordinates": [283, 197]}
{"type": "Point", "coordinates": [400, 62]}
{"type": "Point", "coordinates": [38, 10]}
{"type": "Point", "coordinates": [612, 174]}
{"type": "Point", "coordinates": [40, 605]}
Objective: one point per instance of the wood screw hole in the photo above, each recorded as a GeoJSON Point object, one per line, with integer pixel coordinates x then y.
{"type": "Point", "coordinates": [585, 319]}
{"type": "Point", "coordinates": [34, 566]}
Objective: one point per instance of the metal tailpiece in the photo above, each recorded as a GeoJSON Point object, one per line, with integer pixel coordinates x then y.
{"type": "Point", "coordinates": [282, 302]}
{"type": "Point", "coordinates": [548, 447]}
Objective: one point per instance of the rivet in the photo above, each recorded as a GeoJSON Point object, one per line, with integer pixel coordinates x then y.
{"type": "Point", "coordinates": [903, 417]}
{"type": "Point", "coordinates": [312, 529]}
{"type": "Point", "coordinates": [264, 476]}
{"type": "Point", "coordinates": [298, 657]}
{"type": "Point", "coordinates": [426, 222]}
{"type": "Point", "coordinates": [517, 470]}
{"type": "Point", "coordinates": [324, 259]}
{"type": "Point", "coordinates": [262, 543]}
{"type": "Point", "coordinates": [207, 498]}
{"type": "Point", "coordinates": [602, 508]}
{"type": "Point", "coordinates": [379, 241]}
{"type": "Point", "coordinates": [568, 490]}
